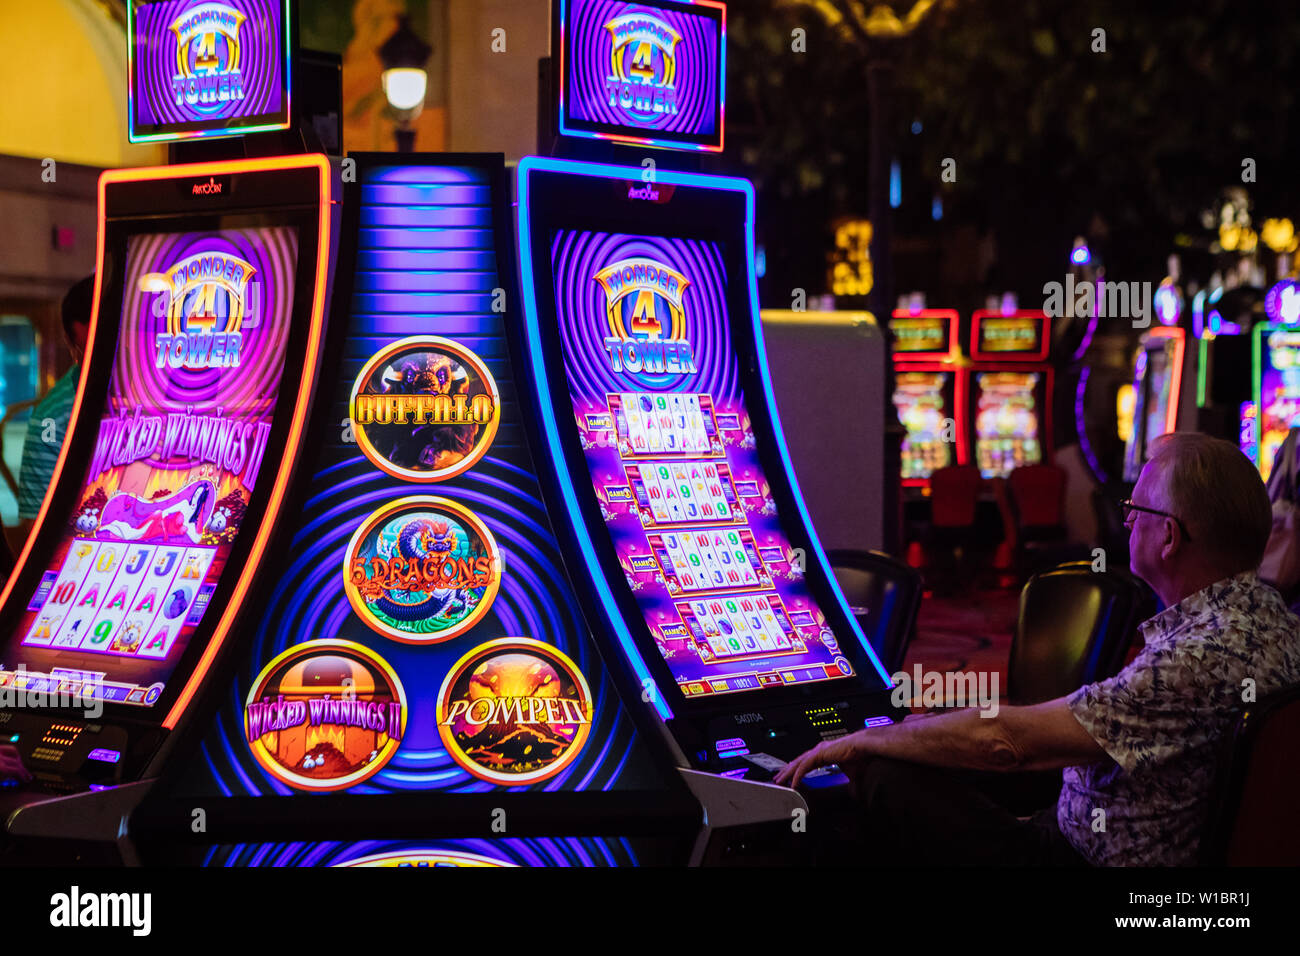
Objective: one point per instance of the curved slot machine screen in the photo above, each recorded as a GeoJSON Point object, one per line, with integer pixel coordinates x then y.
{"type": "Point", "coordinates": [192, 392]}
{"type": "Point", "coordinates": [669, 442]}
{"type": "Point", "coordinates": [1007, 421]}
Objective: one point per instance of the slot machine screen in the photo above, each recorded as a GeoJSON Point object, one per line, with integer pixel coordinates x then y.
{"type": "Point", "coordinates": [1007, 422]}
{"type": "Point", "coordinates": [668, 439]}
{"type": "Point", "coordinates": [1156, 409]}
{"type": "Point", "coordinates": [649, 73]}
{"type": "Point", "coordinates": [1279, 399]}
{"type": "Point", "coordinates": [192, 391]}
{"type": "Point", "coordinates": [207, 68]}
{"type": "Point", "coordinates": [924, 401]}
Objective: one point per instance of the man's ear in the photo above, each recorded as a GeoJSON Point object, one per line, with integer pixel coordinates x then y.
{"type": "Point", "coordinates": [1174, 539]}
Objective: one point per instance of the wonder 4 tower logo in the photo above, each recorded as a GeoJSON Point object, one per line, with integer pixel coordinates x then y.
{"type": "Point", "coordinates": [643, 71]}
{"type": "Point", "coordinates": [207, 304]}
{"type": "Point", "coordinates": [647, 321]}
{"type": "Point", "coordinates": [208, 57]}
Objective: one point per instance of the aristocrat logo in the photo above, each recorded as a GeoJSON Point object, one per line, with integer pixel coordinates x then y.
{"type": "Point", "coordinates": [206, 307]}
{"type": "Point", "coordinates": [646, 317]}
{"type": "Point", "coordinates": [325, 715]}
{"type": "Point", "coordinates": [208, 57]}
{"type": "Point", "coordinates": [643, 65]}
{"type": "Point", "coordinates": [422, 570]}
{"type": "Point", "coordinates": [210, 188]}
{"type": "Point", "coordinates": [425, 409]}
{"type": "Point", "coordinates": [418, 858]}
{"type": "Point", "coordinates": [645, 192]}
{"type": "Point", "coordinates": [514, 711]}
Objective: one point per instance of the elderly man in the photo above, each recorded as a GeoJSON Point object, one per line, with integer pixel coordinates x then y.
{"type": "Point", "coordinates": [1139, 749]}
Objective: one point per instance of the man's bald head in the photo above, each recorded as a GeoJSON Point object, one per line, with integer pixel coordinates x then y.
{"type": "Point", "coordinates": [1219, 495]}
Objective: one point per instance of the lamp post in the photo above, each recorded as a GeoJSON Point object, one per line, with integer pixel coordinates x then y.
{"type": "Point", "coordinates": [404, 56]}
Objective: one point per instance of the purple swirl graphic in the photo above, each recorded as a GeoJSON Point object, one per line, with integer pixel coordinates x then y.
{"type": "Point", "coordinates": [198, 60]}
{"type": "Point", "coordinates": [582, 305]}
{"type": "Point", "coordinates": [272, 253]}
{"type": "Point", "coordinates": [646, 47]}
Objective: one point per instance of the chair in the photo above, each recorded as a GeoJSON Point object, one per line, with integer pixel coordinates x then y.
{"type": "Point", "coordinates": [885, 596]}
{"type": "Point", "coordinates": [1252, 817]}
{"type": "Point", "coordinates": [1034, 516]}
{"type": "Point", "coordinates": [1075, 627]}
{"type": "Point", "coordinates": [954, 494]}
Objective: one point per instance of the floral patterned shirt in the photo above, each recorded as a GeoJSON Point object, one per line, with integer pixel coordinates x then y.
{"type": "Point", "coordinates": [1163, 719]}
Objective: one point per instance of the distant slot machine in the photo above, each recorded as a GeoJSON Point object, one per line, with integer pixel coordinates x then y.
{"type": "Point", "coordinates": [1157, 386]}
{"type": "Point", "coordinates": [1011, 391]}
{"type": "Point", "coordinates": [1277, 389]}
{"type": "Point", "coordinates": [930, 392]}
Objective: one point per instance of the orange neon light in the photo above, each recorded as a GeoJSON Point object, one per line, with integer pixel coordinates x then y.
{"type": "Point", "coordinates": [305, 392]}
{"type": "Point", "coordinates": [1176, 382]}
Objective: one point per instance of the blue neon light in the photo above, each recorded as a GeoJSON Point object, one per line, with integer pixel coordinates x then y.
{"type": "Point", "coordinates": [530, 164]}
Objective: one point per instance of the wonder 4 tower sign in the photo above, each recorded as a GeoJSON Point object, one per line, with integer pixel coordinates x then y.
{"type": "Point", "coordinates": [208, 67]}
{"type": "Point", "coordinates": [642, 73]}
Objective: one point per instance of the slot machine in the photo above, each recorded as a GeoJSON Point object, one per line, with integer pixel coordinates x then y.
{"type": "Point", "coordinates": [930, 388]}
{"type": "Point", "coordinates": [1157, 387]}
{"type": "Point", "coordinates": [691, 544]}
{"type": "Point", "coordinates": [1275, 353]}
{"type": "Point", "coordinates": [1011, 391]}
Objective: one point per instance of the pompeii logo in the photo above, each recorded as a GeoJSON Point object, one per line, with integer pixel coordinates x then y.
{"type": "Point", "coordinates": [514, 711]}
{"type": "Point", "coordinates": [646, 317]}
{"type": "Point", "coordinates": [425, 409]}
{"type": "Point", "coordinates": [325, 715]}
{"type": "Point", "coordinates": [208, 55]}
{"type": "Point", "coordinates": [422, 570]}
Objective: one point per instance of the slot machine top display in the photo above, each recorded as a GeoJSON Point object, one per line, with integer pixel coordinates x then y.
{"type": "Point", "coordinates": [927, 335]}
{"type": "Point", "coordinates": [202, 68]}
{"type": "Point", "coordinates": [642, 74]}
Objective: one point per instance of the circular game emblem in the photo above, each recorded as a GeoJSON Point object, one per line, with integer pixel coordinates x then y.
{"type": "Point", "coordinates": [425, 409]}
{"type": "Point", "coordinates": [422, 570]}
{"type": "Point", "coordinates": [423, 858]}
{"type": "Point", "coordinates": [325, 715]}
{"type": "Point", "coordinates": [514, 711]}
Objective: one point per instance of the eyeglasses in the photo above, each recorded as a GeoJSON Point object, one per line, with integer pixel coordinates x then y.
{"type": "Point", "coordinates": [1126, 505]}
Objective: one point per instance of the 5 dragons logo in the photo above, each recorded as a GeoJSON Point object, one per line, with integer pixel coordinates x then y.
{"type": "Point", "coordinates": [643, 61]}
{"type": "Point", "coordinates": [646, 317]}
{"type": "Point", "coordinates": [208, 57]}
{"type": "Point", "coordinates": [514, 711]}
{"type": "Point", "coordinates": [425, 409]}
{"type": "Point", "coordinates": [422, 570]}
{"type": "Point", "coordinates": [207, 302]}
{"type": "Point", "coordinates": [325, 715]}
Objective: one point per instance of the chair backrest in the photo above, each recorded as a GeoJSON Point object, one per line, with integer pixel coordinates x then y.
{"type": "Point", "coordinates": [954, 492]}
{"type": "Point", "coordinates": [1038, 495]}
{"type": "Point", "coordinates": [1074, 628]}
{"type": "Point", "coordinates": [1252, 816]}
{"type": "Point", "coordinates": [885, 596]}
{"type": "Point", "coordinates": [1144, 605]}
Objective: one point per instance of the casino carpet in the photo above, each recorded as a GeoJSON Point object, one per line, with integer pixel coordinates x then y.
{"type": "Point", "coordinates": [966, 632]}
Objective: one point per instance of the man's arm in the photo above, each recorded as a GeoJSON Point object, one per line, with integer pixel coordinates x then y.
{"type": "Point", "coordinates": [1040, 737]}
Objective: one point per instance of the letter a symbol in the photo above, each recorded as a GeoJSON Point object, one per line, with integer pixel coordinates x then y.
{"type": "Point", "coordinates": [119, 599]}
{"type": "Point", "coordinates": [147, 603]}
{"type": "Point", "coordinates": [159, 641]}
{"type": "Point", "coordinates": [91, 597]}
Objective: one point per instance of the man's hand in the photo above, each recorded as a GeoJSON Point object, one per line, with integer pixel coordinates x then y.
{"type": "Point", "coordinates": [11, 764]}
{"type": "Point", "coordinates": [841, 751]}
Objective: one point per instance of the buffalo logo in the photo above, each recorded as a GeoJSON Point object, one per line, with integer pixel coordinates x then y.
{"type": "Point", "coordinates": [646, 317]}
{"type": "Point", "coordinates": [514, 711]}
{"type": "Point", "coordinates": [208, 57]}
{"type": "Point", "coordinates": [422, 570]}
{"type": "Point", "coordinates": [325, 715]}
{"type": "Point", "coordinates": [643, 65]}
{"type": "Point", "coordinates": [207, 302]}
{"type": "Point", "coordinates": [425, 409]}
